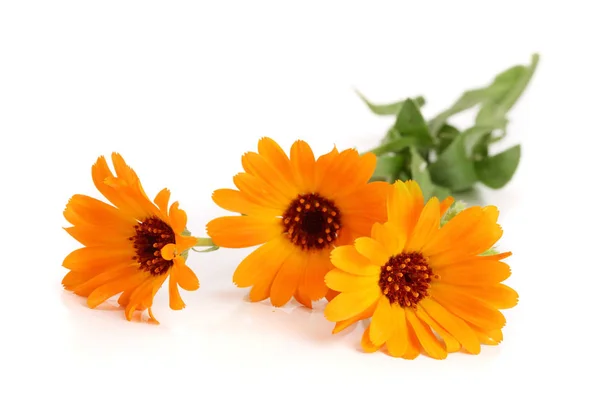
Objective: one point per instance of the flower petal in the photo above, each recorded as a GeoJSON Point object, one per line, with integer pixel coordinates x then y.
{"type": "Point", "coordinates": [476, 271]}
{"type": "Point", "coordinates": [368, 313]}
{"type": "Point", "coordinates": [382, 324]}
{"type": "Point", "coordinates": [303, 166]}
{"type": "Point", "coordinates": [238, 232]}
{"type": "Point", "coordinates": [452, 324]}
{"type": "Point", "coordinates": [262, 261]}
{"type": "Point", "coordinates": [366, 343]}
{"type": "Point", "coordinates": [342, 281]}
{"type": "Point", "coordinates": [175, 300]}
{"type": "Point", "coordinates": [347, 305]}
{"type": "Point", "coordinates": [349, 260]}
{"type": "Point", "coordinates": [372, 249]}
{"type": "Point", "coordinates": [186, 278]}
{"type": "Point", "coordinates": [427, 225]}
{"type": "Point", "coordinates": [427, 339]}
{"type": "Point", "coordinates": [178, 218]}
{"type": "Point", "coordinates": [236, 201]}
{"type": "Point", "coordinates": [451, 344]}
{"type": "Point", "coordinates": [468, 308]}
{"type": "Point", "coordinates": [287, 279]}
{"type": "Point", "coordinates": [314, 279]}
{"type": "Point", "coordinates": [162, 200]}
{"type": "Point", "coordinates": [398, 341]}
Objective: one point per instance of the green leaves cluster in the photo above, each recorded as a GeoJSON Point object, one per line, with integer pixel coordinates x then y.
{"type": "Point", "coordinates": [443, 159]}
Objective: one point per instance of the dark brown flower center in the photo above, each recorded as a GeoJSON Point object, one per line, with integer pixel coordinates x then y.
{"type": "Point", "coordinates": [150, 237]}
{"type": "Point", "coordinates": [405, 279]}
{"type": "Point", "coordinates": [312, 222]}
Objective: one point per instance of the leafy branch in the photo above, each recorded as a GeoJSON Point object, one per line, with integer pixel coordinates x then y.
{"type": "Point", "coordinates": [443, 159]}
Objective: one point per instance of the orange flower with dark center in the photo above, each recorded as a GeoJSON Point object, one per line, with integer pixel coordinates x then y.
{"type": "Point", "coordinates": [299, 208]}
{"type": "Point", "coordinates": [426, 288]}
{"type": "Point", "coordinates": [130, 248]}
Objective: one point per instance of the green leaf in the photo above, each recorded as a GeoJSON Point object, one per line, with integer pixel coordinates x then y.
{"type": "Point", "coordinates": [498, 170]}
{"type": "Point", "coordinates": [388, 109]}
{"type": "Point", "coordinates": [419, 173]}
{"type": "Point", "coordinates": [410, 123]}
{"type": "Point", "coordinates": [453, 168]}
{"type": "Point", "coordinates": [388, 167]}
{"type": "Point", "coordinates": [496, 99]}
{"type": "Point", "coordinates": [508, 87]}
{"type": "Point", "coordinates": [446, 136]}
{"type": "Point", "coordinates": [393, 146]}
{"type": "Point", "coordinates": [469, 99]}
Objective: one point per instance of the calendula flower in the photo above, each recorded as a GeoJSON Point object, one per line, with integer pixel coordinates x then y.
{"type": "Point", "coordinates": [425, 288]}
{"type": "Point", "coordinates": [130, 248]}
{"type": "Point", "coordinates": [300, 208]}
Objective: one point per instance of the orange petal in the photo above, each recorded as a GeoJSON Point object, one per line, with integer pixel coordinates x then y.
{"type": "Point", "coordinates": [169, 251]}
{"type": "Point", "coordinates": [342, 281]}
{"type": "Point", "coordinates": [253, 267]}
{"type": "Point", "coordinates": [469, 233]}
{"type": "Point", "coordinates": [98, 257]}
{"type": "Point", "coordinates": [91, 236]}
{"type": "Point", "coordinates": [366, 343]}
{"type": "Point", "coordinates": [372, 250]}
{"type": "Point", "coordinates": [413, 348]}
{"type": "Point", "coordinates": [451, 344]}
{"type": "Point", "coordinates": [389, 236]}
{"type": "Point", "coordinates": [162, 200]}
{"type": "Point", "coordinates": [362, 172]}
{"type": "Point", "coordinates": [382, 324]}
{"type": "Point", "coordinates": [238, 232]}
{"type": "Point", "coordinates": [302, 298]}
{"type": "Point", "coordinates": [368, 313]}
{"type": "Point", "coordinates": [287, 279]}
{"type": "Point", "coordinates": [341, 170]}
{"type": "Point", "coordinates": [498, 296]}
{"type": "Point", "coordinates": [236, 201]}
{"type": "Point", "coordinates": [275, 155]}
{"type": "Point", "coordinates": [398, 341]}
{"type": "Point", "coordinates": [468, 308]}
{"type": "Point", "coordinates": [257, 192]}
{"type": "Point", "coordinates": [178, 218]}
{"type": "Point", "coordinates": [314, 278]}
{"type": "Point", "coordinates": [184, 243]}
{"type": "Point", "coordinates": [186, 278]}
{"type": "Point", "coordinates": [452, 324]}
{"type": "Point", "coordinates": [90, 212]}
{"type": "Point", "coordinates": [349, 260]}
{"type": "Point", "coordinates": [109, 289]}
{"type": "Point", "coordinates": [427, 339]}
{"type": "Point", "coordinates": [303, 166]}
{"type": "Point", "coordinates": [445, 205]}
{"type": "Point", "coordinates": [84, 288]}
{"type": "Point", "coordinates": [322, 167]}
{"type": "Point", "coordinates": [270, 176]}
{"type": "Point", "coordinates": [476, 271]}
{"type": "Point", "coordinates": [404, 206]}
{"type": "Point", "coordinates": [347, 305]}
{"type": "Point", "coordinates": [261, 288]}
{"type": "Point", "coordinates": [427, 225]}
{"type": "Point", "coordinates": [175, 300]}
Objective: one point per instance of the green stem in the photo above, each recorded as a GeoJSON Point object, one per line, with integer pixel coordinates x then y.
{"type": "Point", "coordinates": [204, 242]}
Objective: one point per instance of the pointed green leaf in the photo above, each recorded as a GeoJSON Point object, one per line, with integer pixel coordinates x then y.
{"type": "Point", "coordinates": [498, 170]}
{"type": "Point", "coordinates": [393, 146]}
{"type": "Point", "coordinates": [388, 167]}
{"type": "Point", "coordinates": [446, 136]}
{"type": "Point", "coordinates": [388, 109]}
{"type": "Point", "coordinates": [410, 123]}
{"type": "Point", "coordinates": [508, 88]}
{"type": "Point", "coordinates": [419, 173]}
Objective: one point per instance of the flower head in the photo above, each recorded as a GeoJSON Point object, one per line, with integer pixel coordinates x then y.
{"type": "Point", "coordinates": [131, 247]}
{"type": "Point", "coordinates": [415, 279]}
{"type": "Point", "coordinates": [299, 208]}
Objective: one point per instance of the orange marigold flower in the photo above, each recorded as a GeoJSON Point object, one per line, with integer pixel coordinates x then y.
{"type": "Point", "coordinates": [415, 279]}
{"type": "Point", "coordinates": [300, 208]}
{"type": "Point", "coordinates": [130, 248]}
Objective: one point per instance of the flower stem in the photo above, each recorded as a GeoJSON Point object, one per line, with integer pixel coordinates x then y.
{"type": "Point", "coordinates": [204, 242]}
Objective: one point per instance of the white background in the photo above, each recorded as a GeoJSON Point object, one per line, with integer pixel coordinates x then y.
{"type": "Point", "coordinates": [182, 89]}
